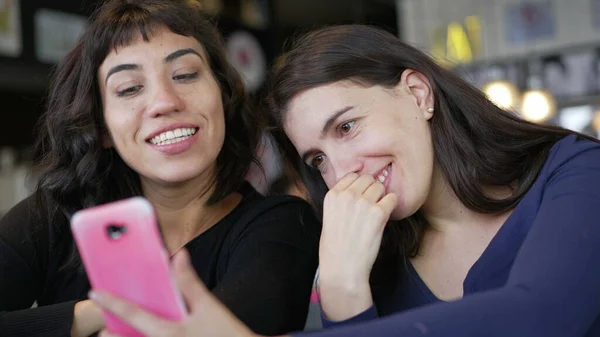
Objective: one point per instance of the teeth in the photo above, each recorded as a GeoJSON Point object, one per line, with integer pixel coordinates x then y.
{"type": "Point", "coordinates": [173, 136]}
{"type": "Point", "coordinates": [381, 176]}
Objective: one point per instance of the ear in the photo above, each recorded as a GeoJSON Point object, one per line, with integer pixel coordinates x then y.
{"type": "Point", "coordinates": [417, 85]}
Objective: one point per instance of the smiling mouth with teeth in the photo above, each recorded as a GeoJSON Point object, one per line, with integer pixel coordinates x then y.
{"type": "Point", "coordinates": [382, 176]}
{"type": "Point", "coordinates": [173, 136]}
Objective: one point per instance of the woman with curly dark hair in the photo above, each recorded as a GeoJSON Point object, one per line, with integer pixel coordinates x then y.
{"type": "Point", "coordinates": [146, 104]}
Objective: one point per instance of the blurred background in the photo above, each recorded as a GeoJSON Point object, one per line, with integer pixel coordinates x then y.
{"type": "Point", "coordinates": [539, 57]}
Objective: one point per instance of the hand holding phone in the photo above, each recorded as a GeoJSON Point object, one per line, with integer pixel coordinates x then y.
{"type": "Point", "coordinates": [123, 253]}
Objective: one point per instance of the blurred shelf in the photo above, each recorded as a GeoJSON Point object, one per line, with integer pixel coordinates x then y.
{"type": "Point", "coordinates": [565, 102]}
{"type": "Point", "coordinates": [17, 76]}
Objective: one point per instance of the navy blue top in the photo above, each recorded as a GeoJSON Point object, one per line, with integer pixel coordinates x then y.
{"type": "Point", "coordinates": [539, 276]}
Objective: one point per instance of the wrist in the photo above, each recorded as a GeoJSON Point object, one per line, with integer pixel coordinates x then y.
{"type": "Point", "coordinates": [346, 283]}
{"type": "Point", "coordinates": [347, 289]}
{"type": "Point", "coordinates": [343, 299]}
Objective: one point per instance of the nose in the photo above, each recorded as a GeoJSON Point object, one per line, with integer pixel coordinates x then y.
{"type": "Point", "coordinates": [345, 162]}
{"type": "Point", "coordinates": [164, 100]}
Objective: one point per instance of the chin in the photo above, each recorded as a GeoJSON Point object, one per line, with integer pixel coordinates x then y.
{"type": "Point", "coordinates": [398, 213]}
{"type": "Point", "coordinates": [175, 170]}
{"type": "Point", "coordinates": [174, 177]}
{"type": "Point", "coordinates": [170, 180]}
{"type": "Point", "coordinates": [402, 211]}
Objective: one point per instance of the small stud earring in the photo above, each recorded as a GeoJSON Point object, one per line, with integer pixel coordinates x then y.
{"type": "Point", "coordinates": [430, 110]}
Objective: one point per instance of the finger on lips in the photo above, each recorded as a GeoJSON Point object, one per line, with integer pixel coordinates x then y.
{"type": "Point", "coordinates": [374, 192]}
{"type": "Point", "coordinates": [360, 185]}
{"type": "Point", "coordinates": [388, 203]}
{"type": "Point", "coordinates": [345, 182]}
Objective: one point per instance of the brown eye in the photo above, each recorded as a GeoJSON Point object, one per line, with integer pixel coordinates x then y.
{"type": "Point", "coordinates": [317, 161]}
{"type": "Point", "coordinates": [129, 91]}
{"type": "Point", "coordinates": [346, 127]}
{"type": "Point", "coordinates": [185, 77]}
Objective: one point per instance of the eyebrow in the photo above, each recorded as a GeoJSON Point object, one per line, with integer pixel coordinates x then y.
{"type": "Point", "coordinates": [168, 59]}
{"type": "Point", "coordinates": [120, 67]}
{"type": "Point", "coordinates": [333, 118]}
{"type": "Point", "coordinates": [328, 124]}
{"type": "Point", "coordinates": [179, 53]}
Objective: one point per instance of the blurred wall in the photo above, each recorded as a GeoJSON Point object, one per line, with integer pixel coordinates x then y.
{"type": "Point", "coordinates": [557, 23]}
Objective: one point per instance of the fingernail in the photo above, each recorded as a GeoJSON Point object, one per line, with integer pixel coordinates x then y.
{"type": "Point", "coordinates": [93, 295]}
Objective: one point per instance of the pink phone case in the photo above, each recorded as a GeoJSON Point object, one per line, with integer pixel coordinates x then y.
{"type": "Point", "coordinates": [122, 251]}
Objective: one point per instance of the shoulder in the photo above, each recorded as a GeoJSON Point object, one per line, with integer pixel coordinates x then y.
{"type": "Point", "coordinates": [275, 215]}
{"type": "Point", "coordinates": [255, 206]}
{"type": "Point", "coordinates": [285, 208]}
{"type": "Point", "coordinates": [23, 232]}
{"type": "Point", "coordinates": [572, 152]}
{"type": "Point", "coordinates": [20, 218]}
{"type": "Point", "coordinates": [34, 220]}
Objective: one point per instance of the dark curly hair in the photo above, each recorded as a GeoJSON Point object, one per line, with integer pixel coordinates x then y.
{"type": "Point", "coordinates": [77, 171]}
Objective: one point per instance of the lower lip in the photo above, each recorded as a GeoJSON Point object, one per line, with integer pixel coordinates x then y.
{"type": "Point", "coordinates": [176, 148]}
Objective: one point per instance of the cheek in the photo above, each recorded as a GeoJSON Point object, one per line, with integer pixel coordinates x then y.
{"type": "Point", "coordinates": [109, 123]}
{"type": "Point", "coordinates": [329, 179]}
{"type": "Point", "coordinates": [219, 116]}
{"type": "Point", "coordinates": [209, 107]}
{"type": "Point", "coordinates": [217, 128]}
{"type": "Point", "coordinates": [118, 125]}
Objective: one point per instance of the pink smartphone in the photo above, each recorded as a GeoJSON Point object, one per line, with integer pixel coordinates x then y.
{"type": "Point", "coordinates": [123, 253]}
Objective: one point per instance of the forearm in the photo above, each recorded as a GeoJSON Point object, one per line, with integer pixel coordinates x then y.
{"type": "Point", "coordinates": [51, 320]}
{"type": "Point", "coordinates": [504, 312]}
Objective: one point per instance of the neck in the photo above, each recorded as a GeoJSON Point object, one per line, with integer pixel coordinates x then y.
{"type": "Point", "coordinates": [183, 211]}
{"type": "Point", "coordinates": [457, 234]}
{"type": "Point", "coordinates": [447, 214]}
